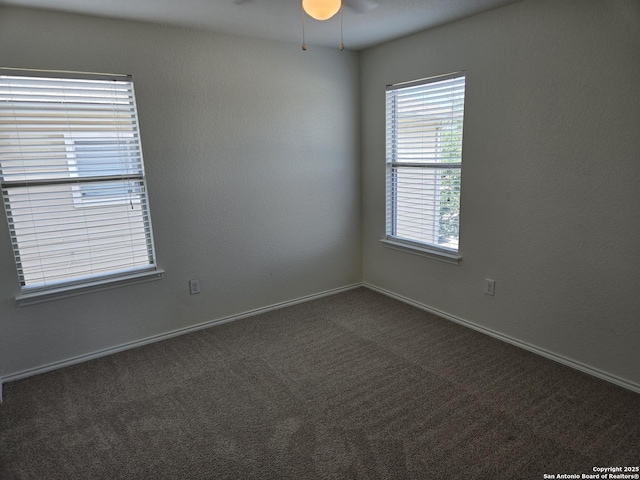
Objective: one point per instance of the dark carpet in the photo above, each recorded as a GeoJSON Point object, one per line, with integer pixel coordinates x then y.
{"type": "Point", "coordinates": [352, 386]}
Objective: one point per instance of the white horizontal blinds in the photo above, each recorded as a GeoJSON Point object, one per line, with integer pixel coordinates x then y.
{"type": "Point", "coordinates": [72, 178]}
{"type": "Point", "coordinates": [424, 160]}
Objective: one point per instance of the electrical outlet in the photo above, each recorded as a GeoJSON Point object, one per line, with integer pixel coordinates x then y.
{"type": "Point", "coordinates": [489, 287]}
{"type": "Point", "coordinates": [194, 286]}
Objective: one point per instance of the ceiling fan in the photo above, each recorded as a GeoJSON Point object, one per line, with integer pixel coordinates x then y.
{"type": "Point", "coordinates": [325, 9]}
{"type": "Point", "coordinates": [360, 6]}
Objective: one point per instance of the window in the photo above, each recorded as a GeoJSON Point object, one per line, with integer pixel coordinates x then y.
{"type": "Point", "coordinates": [73, 182]}
{"type": "Point", "coordinates": [424, 125]}
{"type": "Point", "coordinates": [103, 158]}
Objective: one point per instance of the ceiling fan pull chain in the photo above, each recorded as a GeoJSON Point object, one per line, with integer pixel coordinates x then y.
{"type": "Point", "coordinates": [341, 35]}
{"type": "Point", "coordinates": [304, 43]}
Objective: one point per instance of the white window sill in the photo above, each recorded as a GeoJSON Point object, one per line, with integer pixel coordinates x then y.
{"type": "Point", "coordinates": [423, 251]}
{"type": "Point", "coordinates": [30, 298]}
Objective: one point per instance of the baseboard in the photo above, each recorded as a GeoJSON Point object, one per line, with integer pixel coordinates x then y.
{"type": "Point", "coordinates": [634, 387]}
{"type": "Point", "coordinates": [164, 336]}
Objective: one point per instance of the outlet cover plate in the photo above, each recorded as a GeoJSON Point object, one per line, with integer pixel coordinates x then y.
{"type": "Point", "coordinates": [490, 287]}
{"type": "Point", "coordinates": [194, 286]}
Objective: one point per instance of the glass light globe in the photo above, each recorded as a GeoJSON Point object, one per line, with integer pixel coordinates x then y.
{"type": "Point", "coordinates": [321, 9]}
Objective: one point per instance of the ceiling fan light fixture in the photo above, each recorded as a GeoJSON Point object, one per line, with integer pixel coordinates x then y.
{"type": "Point", "coordinates": [321, 9]}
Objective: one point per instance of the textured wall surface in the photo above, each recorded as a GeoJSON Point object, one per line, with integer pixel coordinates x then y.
{"type": "Point", "coordinates": [252, 155]}
{"type": "Point", "coordinates": [550, 181]}
{"type": "Point", "coordinates": [251, 152]}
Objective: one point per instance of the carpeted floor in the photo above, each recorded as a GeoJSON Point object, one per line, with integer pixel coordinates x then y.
{"type": "Point", "coordinates": [352, 386]}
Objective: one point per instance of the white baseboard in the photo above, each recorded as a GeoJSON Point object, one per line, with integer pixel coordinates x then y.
{"type": "Point", "coordinates": [634, 387]}
{"type": "Point", "coordinates": [164, 336]}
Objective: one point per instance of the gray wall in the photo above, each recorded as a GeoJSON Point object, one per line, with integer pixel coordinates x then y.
{"type": "Point", "coordinates": [551, 176]}
{"type": "Point", "coordinates": [251, 151]}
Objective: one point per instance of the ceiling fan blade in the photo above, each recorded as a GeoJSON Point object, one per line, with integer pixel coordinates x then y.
{"type": "Point", "coordinates": [362, 6]}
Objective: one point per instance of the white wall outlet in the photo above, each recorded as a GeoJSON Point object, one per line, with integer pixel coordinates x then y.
{"type": "Point", "coordinates": [194, 286]}
{"type": "Point", "coordinates": [489, 287]}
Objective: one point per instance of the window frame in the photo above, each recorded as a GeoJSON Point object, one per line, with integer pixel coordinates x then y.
{"type": "Point", "coordinates": [437, 250]}
{"type": "Point", "coordinates": [89, 279]}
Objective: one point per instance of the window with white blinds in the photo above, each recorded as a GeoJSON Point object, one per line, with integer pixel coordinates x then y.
{"type": "Point", "coordinates": [72, 178]}
{"type": "Point", "coordinates": [424, 124]}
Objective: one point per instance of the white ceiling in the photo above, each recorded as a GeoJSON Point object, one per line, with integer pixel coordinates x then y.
{"type": "Point", "coordinates": [281, 19]}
